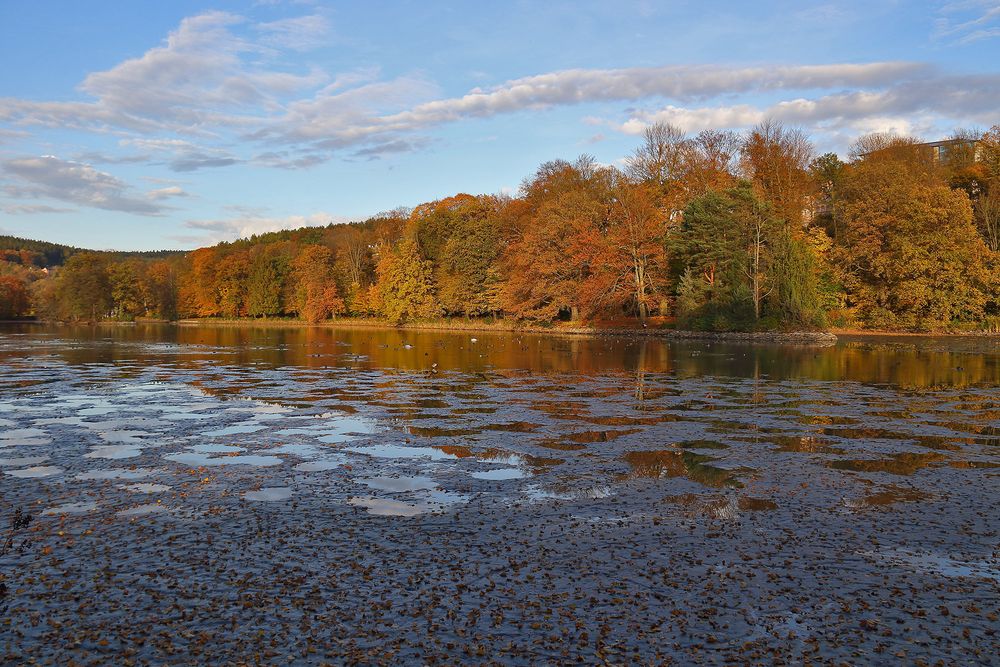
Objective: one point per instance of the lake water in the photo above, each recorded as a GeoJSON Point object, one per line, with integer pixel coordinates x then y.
{"type": "Point", "coordinates": [317, 494]}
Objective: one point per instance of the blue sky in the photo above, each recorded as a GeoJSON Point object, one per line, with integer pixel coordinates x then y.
{"type": "Point", "coordinates": [142, 125]}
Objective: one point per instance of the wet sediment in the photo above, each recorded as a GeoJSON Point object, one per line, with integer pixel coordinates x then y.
{"type": "Point", "coordinates": [196, 504]}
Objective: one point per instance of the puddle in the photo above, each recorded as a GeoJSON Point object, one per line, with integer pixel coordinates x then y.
{"type": "Point", "coordinates": [269, 494]}
{"type": "Point", "coordinates": [561, 446]}
{"type": "Point", "coordinates": [24, 442]}
{"type": "Point", "coordinates": [123, 437]}
{"type": "Point", "coordinates": [457, 451]}
{"type": "Point", "coordinates": [568, 493]}
{"type": "Point", "coordinates": [968, 465]}
{"type": "Point", "coordinates": [434, 501]}
{"type": "Point", "coordinates": [238, 429]}
{"type": "Point", "coordinates": [666, 463]}
{"type": "Point", "coordinates": [113, 452]}
{"type": "Point", "coordinates": [23, 461]}
{"type": "Point", "coordinates": [940, 564]}
{"type": "Point", "coordinates": [439, 432]}
{"type": "Point", "coordinates": [701, 444]}
{"type": "Point", "coordinates": [386, 507]}
{"type": "Point", "coordinates": [730, 508]}
{"type": "Point", "coordinates": [22, 433]}
{"type": "Point", "coordinates": [217, 449]}
{"type": "Point", "coordinates": [196, 460]}
{"type": "Point", "coordinates": [895, 494]}
{"type": "Point", "coordinates": [145, 488]}
{"type": "Point", "coordinates": [142, 510]}
{"type": "Point", "coordinates": [117, 473]}
{"type": "Point", "coordinates": [587, 437]}
{"type": "Point", "coordinates": [499, 474]}
{"type": "Point", "coordinates": [514, 427]}
{"type": "Point", "coordinates": [431, 403]}
{"type": "Point", "coordinates": [826, 420]}
{"type": "Point", "coordinates": [403, 452]}
{"type": "Point", "coordinates": [317, 466]}
{"type": "Point", "coordinates": [71, 508]}
{"type": "Point", "coordinates": [35, 472]}
{"type": "Point", "coordinates": [400, 484]}
{"type": "Point", "coordinates": [622, 421]}
{"type": "Point", "coordinates": [303, 451]}
{"type": "Point", "coordinates": [897, 464]}
{"type": "Point", "coordinates": [335, 438]}
{"type": "Point", "coordinates": [803, 444]}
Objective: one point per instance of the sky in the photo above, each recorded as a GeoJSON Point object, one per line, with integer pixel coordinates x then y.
{"type": "Point", "coordinates": [172, 125]}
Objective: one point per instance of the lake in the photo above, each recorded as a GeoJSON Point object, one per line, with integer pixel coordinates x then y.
{"type": "Point", "coordinates": [310, 494]}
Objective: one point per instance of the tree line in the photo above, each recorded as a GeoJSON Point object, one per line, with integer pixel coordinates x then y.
{"type": "Point", "coordinates": [718, 230]}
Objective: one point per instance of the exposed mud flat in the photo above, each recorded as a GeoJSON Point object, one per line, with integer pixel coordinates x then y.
{"type": "Point", "coordinates": [212, 503]}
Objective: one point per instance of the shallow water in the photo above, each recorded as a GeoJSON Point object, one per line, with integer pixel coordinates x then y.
{"type": "Point", "coordinates": [707, 493]}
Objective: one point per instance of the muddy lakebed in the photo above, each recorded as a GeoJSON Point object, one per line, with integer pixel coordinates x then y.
{"type": "Point", "coordinates": [314, 495]}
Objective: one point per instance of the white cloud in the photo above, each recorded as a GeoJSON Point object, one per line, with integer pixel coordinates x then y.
{"type": "Point", "coordinates": [167, 192]}
{"type": "Point", "coordinates": [300, 33]}
{"type": "Point", "coordinates": [968, 21]}
{"type": "Point", "coordinates": [32, 209]}
{"type": "Point", "coordinates": [252, 221]}
{"type": "Point", "coordinates": [181, 155]}
{"type": "Point", "coordinates": [52, 178]}
{"type": "Point", "coordinates": [201, 82]}
{"type": "Point", "coordinates": [214, 94]}
{"type": "Point", "coordinates": [975, 98]}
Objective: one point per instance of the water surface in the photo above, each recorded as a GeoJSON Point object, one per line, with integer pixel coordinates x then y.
{"type": "Point", "coordinates": [427, 495]}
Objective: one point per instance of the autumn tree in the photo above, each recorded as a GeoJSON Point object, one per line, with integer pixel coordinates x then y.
{"type": "Point", "coordinates": [83, 290]}
{"type": "Point", "coordinates": [433, 223]}
{"type": "Point", "coordinates": [987, 203]}
{"type": "Point", "coordinates": [266, 276]}
{"type": "Point", "coordinates": [680, 168]}
{"type": "Point", "coordinates": [826, 173]}
{"type": "Point", "coordinates": [465, 272]}
{"type": "Point", "coordinates": [161, 284]}
{"type": "Point", "coordinates": [405, 285]}
{"type": "Point", "coordinates": [128, 295]}
{"type": "Point", "coordinates": [197, 290]}
{"type": "Point", "coordinates": [549, 256]}
{"type": "Point", "coordinates": [628, 261]}
{"type": "Point", "coordinates": [725, 245]}
{"type": "Point", "coordinates": [710, 159]}
{"type": "Point", "coordinates": [316, 295]}
{"type": "Point", "coordinates": [231, 282]}
{"type": "Point", "coordinates": [775, 160]}
{"type": "Point", "coordinates": [909, 252]}
{"type": "Point", "coordinates": [354, 262]}
{"type": "Point", "coordinates": [661, 161]}
{"type": "Point", "coordinates": [987, 216]}
{"type": "Point", "coordinates": [14, 300]}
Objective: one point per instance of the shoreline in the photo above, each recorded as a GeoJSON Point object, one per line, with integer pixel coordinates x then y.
{"type": "Point", "coordinates": [883, 333]}
{"type": "Point", "coordinates": [789, 337]}
{"type": "Point", "coordinates": [827, 336]}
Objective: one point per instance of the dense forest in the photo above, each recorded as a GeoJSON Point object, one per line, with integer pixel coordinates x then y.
{"type": "Point", "coordinates": [718, 231]}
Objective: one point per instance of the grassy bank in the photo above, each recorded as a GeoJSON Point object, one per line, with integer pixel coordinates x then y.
{"type": "Point", "coordinates": [658, 329]}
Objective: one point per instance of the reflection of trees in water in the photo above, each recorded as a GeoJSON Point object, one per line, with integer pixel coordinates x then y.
{"type": "Point", "coordinates": [663, 463]}
{"type": "Point", "coordinates": [640, 373]}
{"type": "Point", "coordinates": [918, 363]}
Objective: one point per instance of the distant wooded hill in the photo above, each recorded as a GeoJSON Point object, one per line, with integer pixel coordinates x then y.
{"type": "Point", "coordinates": [44, 254]}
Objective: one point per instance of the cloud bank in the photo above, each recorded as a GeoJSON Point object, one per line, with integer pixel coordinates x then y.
{"type": "Point", "coordinates": [49, 177]}
{"type": "Point", "coordinates": [223, 92]}
{"type": "Point", "coordinates": [214, 94]}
